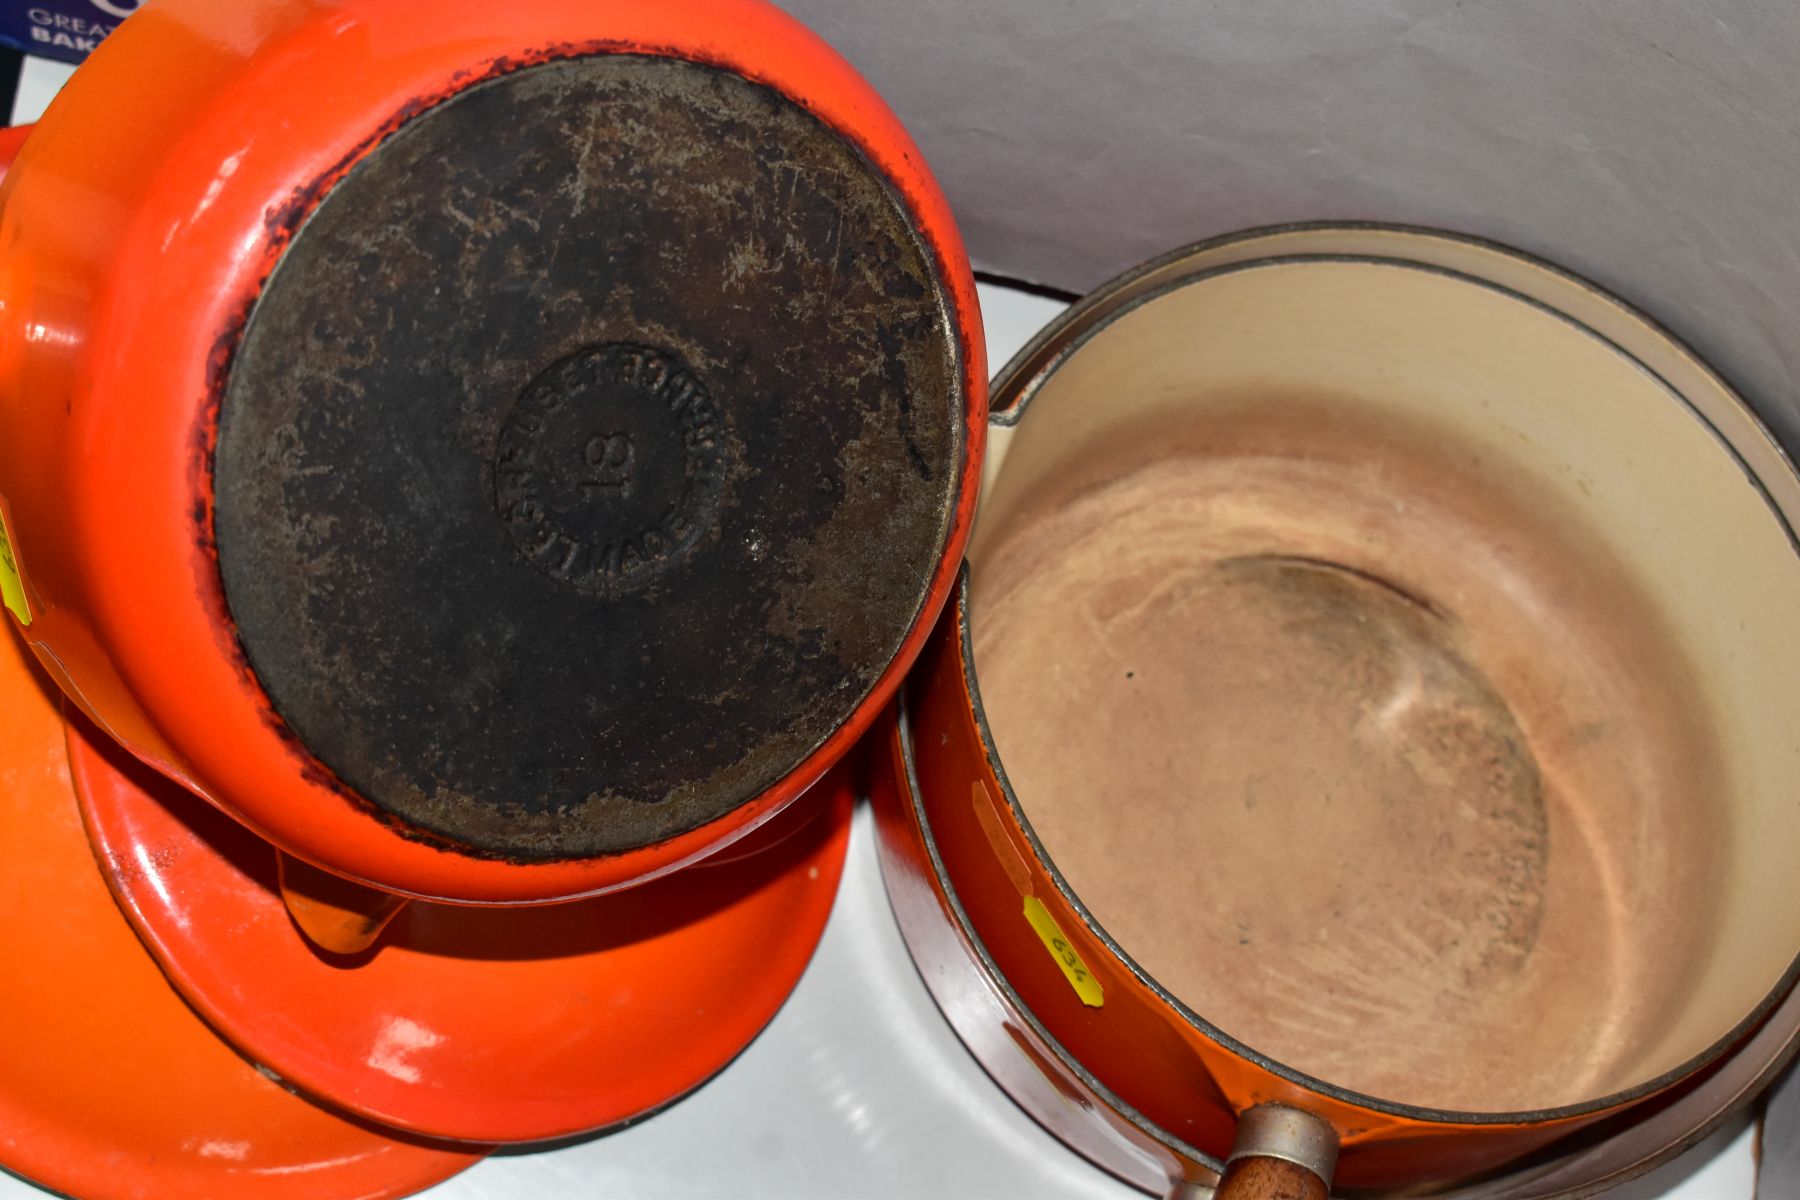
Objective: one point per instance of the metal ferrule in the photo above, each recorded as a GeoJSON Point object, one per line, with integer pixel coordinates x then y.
{"type": "Point", "coordinates": [1278, 1131]}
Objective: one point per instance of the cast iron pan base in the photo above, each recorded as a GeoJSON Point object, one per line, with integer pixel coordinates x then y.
{"type": "Point", "coordinates": [587, 455]}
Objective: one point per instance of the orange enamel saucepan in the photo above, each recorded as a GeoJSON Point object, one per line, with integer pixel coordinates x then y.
{"type": "Point", "coordinates": [1363, 754]}
{"type": "Point", "coordinates": [494, 460]}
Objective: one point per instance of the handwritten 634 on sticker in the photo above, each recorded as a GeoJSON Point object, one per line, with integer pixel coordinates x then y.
{"type": "Point", "coordinates": [1074, 968]}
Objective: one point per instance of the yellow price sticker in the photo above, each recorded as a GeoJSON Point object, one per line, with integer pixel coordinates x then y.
{"type": "Point", "coordinates": [12, 588]}
{"type": "Point", "coordinates": [1064, 952]}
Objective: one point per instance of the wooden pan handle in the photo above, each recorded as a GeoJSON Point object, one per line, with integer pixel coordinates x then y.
{"type": "Point", "coordinates": [1281, 1153]}
{"type": "Point", "coordinates": [1270, 1179]}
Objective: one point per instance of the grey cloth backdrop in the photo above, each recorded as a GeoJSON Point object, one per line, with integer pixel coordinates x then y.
{"type": "Point", "coordinates": [1652, 145]}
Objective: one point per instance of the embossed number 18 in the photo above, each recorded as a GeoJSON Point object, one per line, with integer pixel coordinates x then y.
{"type": "Point", "coordinates": [610, 457]}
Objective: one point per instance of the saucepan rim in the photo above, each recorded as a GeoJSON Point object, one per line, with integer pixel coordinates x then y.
{"type": "Point", "coordinates": [1034, 365]}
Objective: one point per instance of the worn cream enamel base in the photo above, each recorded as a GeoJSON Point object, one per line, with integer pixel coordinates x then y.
{"type": "Point", "coordinates": [1398, 670]}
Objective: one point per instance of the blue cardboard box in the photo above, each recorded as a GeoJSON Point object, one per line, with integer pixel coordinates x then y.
{"type": "Point", "coordinates": [61, 29]}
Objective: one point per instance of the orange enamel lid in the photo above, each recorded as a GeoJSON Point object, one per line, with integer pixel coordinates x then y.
{"type": "Point", "coordinates": [111, 1087]}
{"type": "Point", "coordinates": [476, 1023]}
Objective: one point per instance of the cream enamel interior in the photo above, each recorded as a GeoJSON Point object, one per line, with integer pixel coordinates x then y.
{"type": "Point", "coordinates": [1606, 439]}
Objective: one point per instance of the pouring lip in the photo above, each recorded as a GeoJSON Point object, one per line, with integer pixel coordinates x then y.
{"type": "Point", "coordinates": [1026, 373]}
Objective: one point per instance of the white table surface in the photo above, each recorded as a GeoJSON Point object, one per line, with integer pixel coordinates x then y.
{"type": "Point", "coordinates": [859, 1090]}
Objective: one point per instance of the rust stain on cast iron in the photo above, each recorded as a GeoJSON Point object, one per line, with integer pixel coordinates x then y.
{"type": "Point", "coordinates": [586, 456]}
